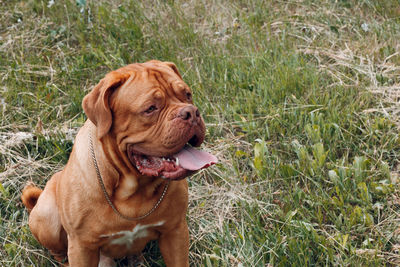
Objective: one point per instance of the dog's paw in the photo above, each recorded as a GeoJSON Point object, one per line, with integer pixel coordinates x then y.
{"type": "Point", "coordinates": [106, 261]}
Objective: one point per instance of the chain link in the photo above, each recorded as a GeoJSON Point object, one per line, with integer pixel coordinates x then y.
{"type": "Point", "coordinates": [108, 197]}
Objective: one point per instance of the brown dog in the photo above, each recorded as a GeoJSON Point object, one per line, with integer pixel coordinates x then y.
{"type": "Point", "coordinates": [123, 184]}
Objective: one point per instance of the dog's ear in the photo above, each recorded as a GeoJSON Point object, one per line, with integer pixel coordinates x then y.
{"type": "Point", "coordinates": [96, 103]}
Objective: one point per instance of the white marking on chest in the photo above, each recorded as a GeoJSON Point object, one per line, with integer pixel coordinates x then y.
{"type": "Point", "coordinates": [128, 237]}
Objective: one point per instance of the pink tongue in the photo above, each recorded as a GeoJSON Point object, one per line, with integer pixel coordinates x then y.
{"type": "Point", "coordinates": [193, 159]}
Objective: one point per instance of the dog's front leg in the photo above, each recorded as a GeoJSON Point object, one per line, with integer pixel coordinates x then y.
{"type": "Point", "coordinates": [80, 256]}
{"type": "Point", "coordinates": [174, 246]}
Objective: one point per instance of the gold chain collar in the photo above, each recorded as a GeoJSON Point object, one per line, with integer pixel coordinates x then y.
{"type": "Point", "coordinates": [108, 197]}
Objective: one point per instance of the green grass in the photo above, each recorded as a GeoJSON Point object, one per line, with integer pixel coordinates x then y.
{"type": "Point", "coordinates": [300, 100]}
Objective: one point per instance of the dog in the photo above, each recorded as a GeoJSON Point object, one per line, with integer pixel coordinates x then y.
{"type": "Point", "coordinates": [124, 183]}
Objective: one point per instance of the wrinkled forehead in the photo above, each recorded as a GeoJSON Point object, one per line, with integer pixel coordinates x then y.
{"type": "Point", "coordinates": [145, 75]}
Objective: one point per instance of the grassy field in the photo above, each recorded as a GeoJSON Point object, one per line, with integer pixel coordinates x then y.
{"type": "Point", "coordinates": [301, 100]}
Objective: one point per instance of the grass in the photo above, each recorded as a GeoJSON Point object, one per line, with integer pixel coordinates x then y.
{"type": "Point", "coordinates": [300, 100]}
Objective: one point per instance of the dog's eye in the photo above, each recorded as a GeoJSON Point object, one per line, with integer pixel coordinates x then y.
{"type": "Point", "coordinates": [151, 109]}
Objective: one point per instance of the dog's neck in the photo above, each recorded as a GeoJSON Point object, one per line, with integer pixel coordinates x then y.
{"type": "Point", "coordinates": [126, 181]}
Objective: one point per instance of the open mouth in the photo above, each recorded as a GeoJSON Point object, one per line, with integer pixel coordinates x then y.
{"type": "Point", "coordinates": [175, 167]}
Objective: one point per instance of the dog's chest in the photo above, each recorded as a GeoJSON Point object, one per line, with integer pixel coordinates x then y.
{"type": "Point", "coordinates": [127, 238]}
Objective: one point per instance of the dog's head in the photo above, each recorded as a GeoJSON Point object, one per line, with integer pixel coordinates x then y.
{"type": "Point", "coordinates": [149, 112]}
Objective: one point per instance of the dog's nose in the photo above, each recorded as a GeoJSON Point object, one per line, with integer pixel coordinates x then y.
{"type": "Point", "coordinates": [189, 113]}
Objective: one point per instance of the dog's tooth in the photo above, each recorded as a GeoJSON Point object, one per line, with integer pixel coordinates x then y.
{"type": "Point", "coordinates": [177, 161]}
